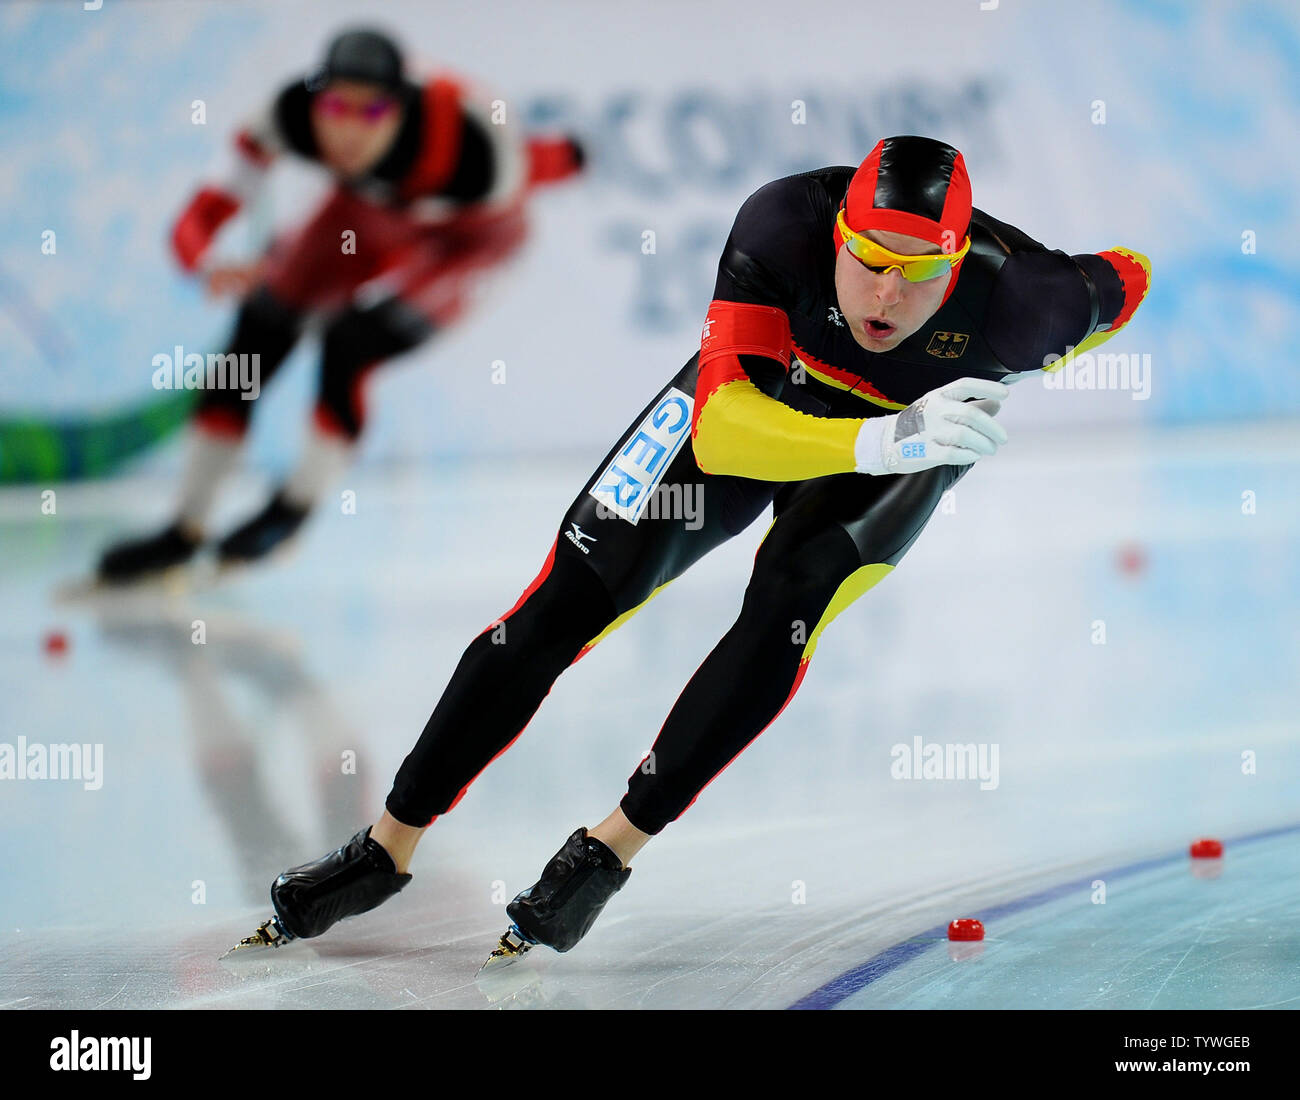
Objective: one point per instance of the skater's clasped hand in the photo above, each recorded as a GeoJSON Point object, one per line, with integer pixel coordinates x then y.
{"type": "Point", "coordinates": [949, 426]}
{"type": "Point", "coordinates": [233, 279]}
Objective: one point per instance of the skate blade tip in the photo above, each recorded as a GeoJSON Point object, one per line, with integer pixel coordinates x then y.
{"type": "Point", "coordinates": [269, 934]}
{"type": "Point", "coordinates": [245, 949]}
{"type": "Point", "coordinates": [251, 945]}
{"type": "Point", "coordinates": [495, 963]}
{"type": "Point", "coordinates": [503, 981]}
{"type": "Point", "coordinates": [510, 949]}
{"type": "Point", "coordinates": [94, 590]}
{"type": "Point", "coordinates": [111, 592]}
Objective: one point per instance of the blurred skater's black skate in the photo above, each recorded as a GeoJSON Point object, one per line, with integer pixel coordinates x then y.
{"type": "Point", "coordinates": [144, 559]}
{"type": "Point", "coordinates": [312, 898]}
{"type": "Point", "coordinates": [272, 529]}
{"type": "Point", "coordinates": [564, 903]}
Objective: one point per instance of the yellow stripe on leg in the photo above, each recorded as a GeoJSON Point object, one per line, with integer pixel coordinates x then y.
{"type": "Point", "coordinates": [621, 620]}
{"type": "Point", "coordinates": [849, 590]}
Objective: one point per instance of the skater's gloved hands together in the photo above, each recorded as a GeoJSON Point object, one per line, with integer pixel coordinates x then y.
{"type": "Point", "coordinates": [942, 428]}
{"type": "Point", "coordinates": [233, 279]}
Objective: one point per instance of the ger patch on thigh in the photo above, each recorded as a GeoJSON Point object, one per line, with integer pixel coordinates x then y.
{"type": "Point", "coordinates": [630, 486]}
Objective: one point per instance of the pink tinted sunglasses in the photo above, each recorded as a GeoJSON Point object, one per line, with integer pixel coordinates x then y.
{"type": "Point", "coordinates": [334, 105]}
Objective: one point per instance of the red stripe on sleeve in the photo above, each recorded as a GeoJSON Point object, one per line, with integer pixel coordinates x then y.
{"type": "Point", "coordinates": [440, 142]}
{"type": "Point", "coordinates": [552, 159]}
{"type": "Point", "coordinates": [1133, 278]}
{"type": "Point", "coordinates": [733, 329]}
{"type": "Point", "coordinates": [738, 328]}
{"type": "Point", "coordinates": [207, 212]}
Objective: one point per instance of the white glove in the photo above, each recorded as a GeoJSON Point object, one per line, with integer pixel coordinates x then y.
{"type": "Point", "coordinates": [941, 428]}
{"type": "Point", "coordinates": [1019, 376]}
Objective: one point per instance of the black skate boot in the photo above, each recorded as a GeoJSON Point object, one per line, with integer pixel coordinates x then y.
{"type": "Point", "coordinates": [564, 903]}
{"type": "Point", "coordinates": [312, 898]}
{"type": "Point", "coordinates": [350, 880]}
{"type": "Point", "coordinates": [272, 527]}
{"type": "Point", "coordinates": [143, 558]}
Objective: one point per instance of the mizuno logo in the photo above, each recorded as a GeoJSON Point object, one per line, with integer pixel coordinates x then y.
{"type": "Point", "coordinates": [577, 535]}
{"type": "Point", "coordinates": [835, 317]}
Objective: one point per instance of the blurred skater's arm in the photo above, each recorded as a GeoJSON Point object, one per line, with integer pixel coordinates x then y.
{"type": "Point", "coordinates": [255, 146]}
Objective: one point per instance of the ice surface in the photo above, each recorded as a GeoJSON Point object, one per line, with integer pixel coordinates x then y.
{"type": "Point", "coordinates": [223, 762]}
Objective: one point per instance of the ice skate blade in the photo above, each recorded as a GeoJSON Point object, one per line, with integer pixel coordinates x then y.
{"type": "Point", "coordinates": [510, 949]}
{"type": "Point", "coordinates": [162, 585]}
{"type": "Point", "coordinates": [269, 934]}
{"type": "Point", "coordinates": [504, 984]}
{"type": "Point", "coordinates": [232, 569]}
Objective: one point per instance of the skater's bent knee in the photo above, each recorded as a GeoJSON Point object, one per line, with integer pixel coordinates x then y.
{"type": "Point", "coordinates": [568, 606]}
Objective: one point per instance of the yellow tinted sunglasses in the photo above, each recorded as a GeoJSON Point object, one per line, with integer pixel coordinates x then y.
{"type": "Point", "coordinates": [915, 269]}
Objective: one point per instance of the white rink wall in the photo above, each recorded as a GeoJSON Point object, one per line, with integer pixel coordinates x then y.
{"type": "Point", "coordinates": [686, 109]}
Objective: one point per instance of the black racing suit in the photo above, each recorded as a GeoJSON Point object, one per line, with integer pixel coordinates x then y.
{"type": "Point", "coordinates": [1015, 305]}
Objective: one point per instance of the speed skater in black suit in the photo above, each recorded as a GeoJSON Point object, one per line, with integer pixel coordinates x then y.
{"type": "Point", "coordinates": [864, 329]}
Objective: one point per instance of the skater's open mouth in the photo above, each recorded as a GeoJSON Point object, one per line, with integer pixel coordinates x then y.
{"type": "Point", "coordinates": [877, 326]}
